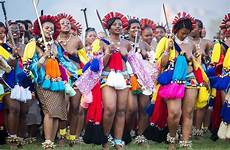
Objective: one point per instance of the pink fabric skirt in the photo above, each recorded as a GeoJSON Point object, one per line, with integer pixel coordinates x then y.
{"type": "Point", "coordinates": [172, 91]}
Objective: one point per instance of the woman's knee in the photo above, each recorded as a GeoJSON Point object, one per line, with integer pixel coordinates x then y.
{"type": "Point", "coordinates": [174, 114]}
{"type": "Point", "coordinates": [121, 112]}
{"type": "Point", "coordinates": [15, 109]}
{"type": "Point", "coordinates": [109, 111]}
{"type": "Point", "coordinates": [131, 109]}
{"type": "Point", "coordinates": [188, 113]}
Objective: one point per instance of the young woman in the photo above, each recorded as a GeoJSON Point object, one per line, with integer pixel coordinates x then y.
{"type": "Point", "coordinates": [148, 28]}
{"type": "Point", "coordinates": [18, 93]}
{"type": "Point", "coordinates": [49, 67]}
{"type": "Point", "coordinates": [221, 79]}
{"type": "Point", "coordinates": [132, 105]}
{"type": "Point", "coordinates": [114, 76]}
{"type": "Point", "coordinates": [179, 92]}
{"type": "Point", "coordinates": [5, 68]}
{"type": "Point", "coordinates": [218, 73]}
{"type": "Point", "coordinates": [90, 36]}
{"type": "Point", "coordinates": [137, 102]}
{"type": "Point", "coordinates": [203, 47]}
{"type": "Point", "coordinates": [160, 32]}
{"type": "Point", "coordinates": [71, 45]}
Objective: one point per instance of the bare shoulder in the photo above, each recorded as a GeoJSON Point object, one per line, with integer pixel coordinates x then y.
{"type": "Point", "coordinates": [191, 44]}
{"type": "Point", "coordinates": [126, 43]}
{"type": "Point", "coordinates": [75, 38]}
{"type": "Point", "coordinates": [76, 41]}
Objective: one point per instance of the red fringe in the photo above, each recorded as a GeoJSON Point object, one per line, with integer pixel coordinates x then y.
{"type": "Point", "coordinates": [47, 18]}
{"type": "Point", "coordinates": [111, 15]}
{"type": "Point", "coordinates": [160, 113]}
{"type": "Point", "coordinates": [223, 25]}
{"type": "Point", "coordinates": [215, 116]}
{"type": "Point", "coordinates": [76, 26]}
{"type": "Point", "coordinates": [147, 23]}
{"type": "Point", "coordinates": [183, 16]}
{"type": "Point", "coordinates": [115, 62]}
{"type": "Point", "coordinates": [94, 112]}
{"type": "Point", "coordinates": [198, 75]}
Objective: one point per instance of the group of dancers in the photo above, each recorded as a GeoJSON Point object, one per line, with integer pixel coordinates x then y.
{"type": "Point", "coordinates": [135, 80]}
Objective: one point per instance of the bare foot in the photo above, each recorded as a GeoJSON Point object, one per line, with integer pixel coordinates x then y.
{"type": "Point", "coordinates": [105, 146]}
{"type": "Point", "coordinates": [172, 147]}
{"type": "Point", "coordinates": [13, 146]}
{"type": "Point", "coordinates": [119, 147]}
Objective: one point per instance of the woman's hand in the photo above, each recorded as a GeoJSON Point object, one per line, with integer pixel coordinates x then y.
{"type": "Point", "coordinates": [15, 51]}
{"type": "Point", "coordinates": [109, 49]}
{"type": "Point", "coordinates": [170, 44]}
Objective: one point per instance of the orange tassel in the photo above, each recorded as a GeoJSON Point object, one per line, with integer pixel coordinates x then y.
{"type": "Point", "coordinates": [52, 68]}
{"type": "Point", "coordinates": [56, 68]}
{"type": "Point", "coordinates": [134, 83]}
{"type": "Point", "coordinates": [48, 66]}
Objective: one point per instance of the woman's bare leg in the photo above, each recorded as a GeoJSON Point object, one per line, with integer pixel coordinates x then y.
{"type": "Point", "coordinates": [109, 98]}
{"type": "Point", "coordinates": [119, 122]}
{"type": "Point", "coordinates": [143, 117]}
{"type": "Point", "coordinates": [174, 115]}
{"type": "Point", "coordinates": [132, 108]}
{"type": "Point", "coordinates": [187, 112]}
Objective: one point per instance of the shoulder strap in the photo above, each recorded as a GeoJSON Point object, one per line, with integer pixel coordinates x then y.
{"type": "Point", "coordinates": [177, 47]}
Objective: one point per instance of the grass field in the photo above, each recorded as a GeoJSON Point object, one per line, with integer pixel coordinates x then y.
{"type": "Point", "coordinates": [202, 144]}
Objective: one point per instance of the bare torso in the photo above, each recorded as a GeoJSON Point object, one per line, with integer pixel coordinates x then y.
{"type": "Point", "coordinates": [188, 48]}
{"type": "Point", "coordinates": [124, 47]}
{"type": "Point", "coordinates": [72, 46]}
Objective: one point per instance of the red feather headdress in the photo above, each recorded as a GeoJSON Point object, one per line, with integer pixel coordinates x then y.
{"type": "Point", "coordinates": [111, 15]}
{"type": "Point", "coordinates": [147, 23]}
{"type": "Point", "coordinates": [183, 16]}
{"type": "Point", "coordinates": [47, 18]}
{"type": "Point", "coordinates": [76, 26]}
{"type": "Point", "coordinates": [223, 26]}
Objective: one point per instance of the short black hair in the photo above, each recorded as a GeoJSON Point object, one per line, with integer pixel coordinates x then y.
{"type": "Point", "coordinates": [26, 22]}
{"type": "Point", "coordinates": [21, 21]}
{"type": "Point", "coordinates": [131, 21]}
{"type": "Point", "coordinates": [111, 21]}
{"type": "Point", "coordinates": [2, 25]}
{"type": "Point", "coordinates": [200, 23]}
{"type": "Point", "coordinates": [186, 23]}
{"type": "Point", "coordinates": [89, 29]}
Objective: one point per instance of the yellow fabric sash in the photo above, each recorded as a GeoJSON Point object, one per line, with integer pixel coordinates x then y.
{"type": "Point", "coordinates": [226, 62]}
{"type": "Point", "coordinates": [29, 50]}
{"type": "Point", "coordinates": [161, 47]}
{"type": "Point", "coordinates": [216, 53]}
{"type": "Point", "coordinates": [4, 53]}
{"type": "Point", "coordinates": [82, 56]}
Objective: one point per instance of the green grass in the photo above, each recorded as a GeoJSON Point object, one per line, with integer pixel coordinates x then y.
{"type": "Point", "coordinates": [202, 144]}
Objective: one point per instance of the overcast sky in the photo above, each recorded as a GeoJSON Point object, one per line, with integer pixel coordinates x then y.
{"type": "Point", "coordinates": [209, 11]}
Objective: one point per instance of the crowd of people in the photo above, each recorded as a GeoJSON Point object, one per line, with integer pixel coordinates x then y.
{"type": "Point", "coordinates": [136, 81]}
